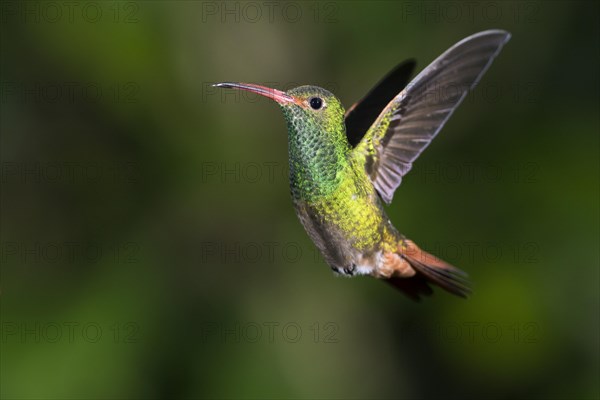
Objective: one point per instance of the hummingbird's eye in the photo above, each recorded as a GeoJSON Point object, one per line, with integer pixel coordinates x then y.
{"type": "Point", "coordinates": [316, 103]}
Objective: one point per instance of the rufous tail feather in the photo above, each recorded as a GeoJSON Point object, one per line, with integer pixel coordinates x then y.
{"type": "Point", "coordinates": [430, 269]}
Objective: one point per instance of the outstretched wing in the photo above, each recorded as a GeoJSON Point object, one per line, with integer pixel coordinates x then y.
{"type": "Point", "coordinates": [414, 117]}
{"type": "Point", "coordinates": [363, 113]}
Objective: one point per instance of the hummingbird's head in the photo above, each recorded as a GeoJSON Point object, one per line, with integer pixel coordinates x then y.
{"type": "Point", "coordinates": [306, 108]}
{"type": "Point", "coordinates": [313, 107]}
{"type": "Point", "coordinates": [317, 143]}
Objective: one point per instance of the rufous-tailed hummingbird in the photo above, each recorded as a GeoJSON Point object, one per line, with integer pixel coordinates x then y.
{"type": "Point", "coordinates": [345, 164]}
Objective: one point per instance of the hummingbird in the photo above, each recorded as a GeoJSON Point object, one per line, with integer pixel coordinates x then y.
{"type": "Point", "coordinates": [344, 165]}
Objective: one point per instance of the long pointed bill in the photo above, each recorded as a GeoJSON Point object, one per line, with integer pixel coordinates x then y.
{"type": "Point", "coordinates": [273, 94]}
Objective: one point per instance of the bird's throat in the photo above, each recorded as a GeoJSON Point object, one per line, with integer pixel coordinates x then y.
{"type": "Point", "coordinates": [317, 159]}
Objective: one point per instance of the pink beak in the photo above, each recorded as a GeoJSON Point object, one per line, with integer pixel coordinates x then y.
{"type": "Point", "coordinates": [273, 94]}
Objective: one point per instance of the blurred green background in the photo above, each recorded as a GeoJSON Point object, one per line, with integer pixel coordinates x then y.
{"type": "Point", "coordinates": [149, 245]}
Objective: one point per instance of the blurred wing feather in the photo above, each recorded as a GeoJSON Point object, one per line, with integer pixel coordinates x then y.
{"type": "Point", "coordinates": [415, 116]}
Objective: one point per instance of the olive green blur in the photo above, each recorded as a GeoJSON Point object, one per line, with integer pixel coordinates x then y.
{"type": "Point", "coordinates": [149, 247]}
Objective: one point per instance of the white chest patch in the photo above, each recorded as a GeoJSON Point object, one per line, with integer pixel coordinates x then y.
{"type": "Point", "coordinates": [366, 266]}
{"type": "Point", "coordinates": [363, 269]}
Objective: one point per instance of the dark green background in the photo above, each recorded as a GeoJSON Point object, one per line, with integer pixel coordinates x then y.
{"type": "Point", "coordinates": [146, 249]}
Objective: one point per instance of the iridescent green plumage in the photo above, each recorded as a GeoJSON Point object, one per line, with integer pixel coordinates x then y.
{"type": "Point", "coordinates": [329, 184]}
{"type": "Point", "coordinates": [338, 190]}
{"type": "Point", "coordinates": [316, 159]}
